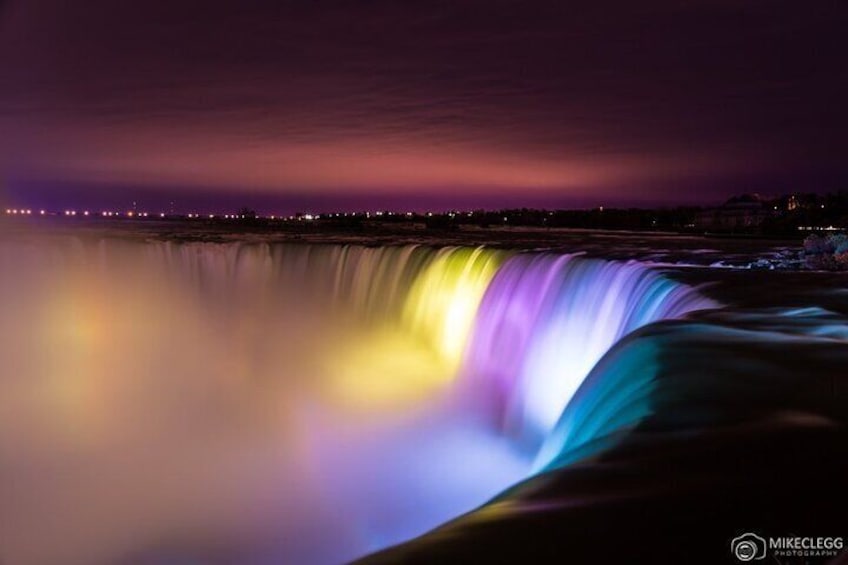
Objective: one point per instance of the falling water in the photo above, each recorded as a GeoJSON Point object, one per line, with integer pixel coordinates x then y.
{"type": "Point", "coordinates": [546, 320]}
{"type": "Point", "coordinates": [285, 403]}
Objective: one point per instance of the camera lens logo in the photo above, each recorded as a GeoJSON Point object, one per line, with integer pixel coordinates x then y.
{"type": "Point", "coordinates": [748, 547]}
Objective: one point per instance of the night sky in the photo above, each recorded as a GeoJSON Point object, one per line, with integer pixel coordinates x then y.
{"type": "Point", "coordinates": [405, 104]}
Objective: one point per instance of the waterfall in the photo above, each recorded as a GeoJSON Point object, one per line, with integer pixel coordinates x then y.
{"type": "Point", "coordinates": [309, 402]}
{"type": "Point", "coordinates": [546, 320]}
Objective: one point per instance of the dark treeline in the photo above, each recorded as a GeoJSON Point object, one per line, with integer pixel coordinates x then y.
{"type": "Point", "coordinates": [749, 214]}
{"type": "Point", "coordinates": [598, 218]}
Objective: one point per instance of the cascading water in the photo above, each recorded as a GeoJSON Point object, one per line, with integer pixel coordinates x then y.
{"type": "Point", "coordinates": [286, 403]}
{"type": "Point", "coordinates": [546, 320]}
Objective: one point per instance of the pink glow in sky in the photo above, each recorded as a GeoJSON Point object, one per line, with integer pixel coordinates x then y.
{"type": "Point", "coordinates": [614, 102]}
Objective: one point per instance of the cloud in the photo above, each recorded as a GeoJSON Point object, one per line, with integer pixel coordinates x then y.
{"type": "Point", "coordinates": [496, 94]}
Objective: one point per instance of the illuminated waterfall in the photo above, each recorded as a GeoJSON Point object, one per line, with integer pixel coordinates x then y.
{"type": "Point", "coordinates": [546, 320]}
{"type": "Point", "coordinates": [317, 402]}
{"type": "Point", "coordinates": [444, 299]}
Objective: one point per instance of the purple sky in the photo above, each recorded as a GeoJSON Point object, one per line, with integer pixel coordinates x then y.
{"type": "Point", "coordinates": [409, 104]}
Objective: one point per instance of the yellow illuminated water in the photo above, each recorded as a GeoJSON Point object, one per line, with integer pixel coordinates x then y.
{"type": "Point", "coordinates": [385, 369]}
{"type": "Point", "coordinates": [443, 301]}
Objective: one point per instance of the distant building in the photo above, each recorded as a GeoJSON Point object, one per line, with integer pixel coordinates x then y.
{"type": "Point", "coordinates": [791, 203]}
{"type": "Point", "coordinates": [738, 213]}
